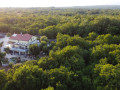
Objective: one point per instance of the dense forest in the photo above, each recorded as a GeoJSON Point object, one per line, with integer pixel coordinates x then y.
{"type": "Point", "coordinates": [85, 56]}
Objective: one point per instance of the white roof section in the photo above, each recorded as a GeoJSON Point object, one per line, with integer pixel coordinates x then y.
{"type": "Point", "coordinates": [14, 35]}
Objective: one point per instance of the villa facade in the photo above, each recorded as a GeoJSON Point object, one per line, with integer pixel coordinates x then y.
{"type": "Point", "coordinates": [19, 43]}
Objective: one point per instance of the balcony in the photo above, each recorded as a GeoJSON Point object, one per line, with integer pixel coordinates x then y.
{"type": "Point", "coordinates": [18, 49]}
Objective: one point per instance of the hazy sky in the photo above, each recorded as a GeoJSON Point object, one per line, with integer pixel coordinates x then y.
{"type": "Point", "coordinates": [56, 3]}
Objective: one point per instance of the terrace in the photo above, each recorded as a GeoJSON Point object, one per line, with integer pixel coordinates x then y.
{"type": "Point", "coordinates": [19, 50]}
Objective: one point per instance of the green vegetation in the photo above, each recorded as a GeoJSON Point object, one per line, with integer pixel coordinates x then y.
{"type": "Point", "coordinates": [51, 21]}
{"type": "Point", "coordinates": [85, 56]}
{"type": "Point", "coordinates": [8, 34]}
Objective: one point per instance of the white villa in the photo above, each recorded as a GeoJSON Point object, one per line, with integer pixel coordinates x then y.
{"type": "Point", "coordinates": [19, 43]}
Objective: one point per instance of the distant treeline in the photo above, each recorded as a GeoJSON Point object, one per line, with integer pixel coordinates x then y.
{"type": "Point", "coordinates": [50, 21]}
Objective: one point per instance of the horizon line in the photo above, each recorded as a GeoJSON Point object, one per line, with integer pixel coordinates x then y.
{"type": "Point", "coordinates": [54, 6]}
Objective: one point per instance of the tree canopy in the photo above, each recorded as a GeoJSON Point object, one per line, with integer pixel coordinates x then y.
{"type": "Point", "coordinates": [81, 46]}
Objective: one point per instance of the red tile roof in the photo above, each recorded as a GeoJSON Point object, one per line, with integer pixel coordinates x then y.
{"type": "Point", "coordinates": [22, 37]}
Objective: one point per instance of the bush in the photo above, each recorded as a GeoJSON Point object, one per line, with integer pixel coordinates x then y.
{"type": "Point", "coordinates": [10, 65]}
{"type": "Point", "coordinates": [7, 50]}
{"type": "Point", "coordinates": [8, 34]}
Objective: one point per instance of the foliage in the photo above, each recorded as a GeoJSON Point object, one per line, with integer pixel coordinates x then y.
{"type": "Point", "coordinates": [34, 49]}
{"type": "Point", "coordinates": [10, 65]}
{"type": "Point", "coordinates": [31, 78]}
{"type": "Point", "coordinates": [68, 56]}
{"type": "Point", "coordinates": [3, 79]}
{"type": "Point", "coordinates": [43, 38]}
{"type": "Point", "coordinates": [8, 34]}
{"type": "Point", "coordinates": [7, 50]}
{"type": "Point", "coordinates": [1, 44]}
{"type": "Point", "coordinates": [85, 56]}
{"type": "Point", "coordinates": [49, 88]}
{"type": "Point", "coordinates": [2, 55]}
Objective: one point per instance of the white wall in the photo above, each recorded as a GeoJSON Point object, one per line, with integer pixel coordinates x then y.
{"type": "Point", "coordinates": [25, 42]}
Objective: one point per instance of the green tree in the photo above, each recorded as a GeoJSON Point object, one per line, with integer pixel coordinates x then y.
{"type": "Point", "coordinates": [28, 77]}
{"type": "Point", "coordinates": [3, 79]}
{"type": "Point", "coordinates": [49, 31]}
{"type": "Point", "coordinates": [34, 49]}
{"type": "Point", "coordinates": [43, 38]}
{"type": "Point", "coordinates": [92, 36]}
